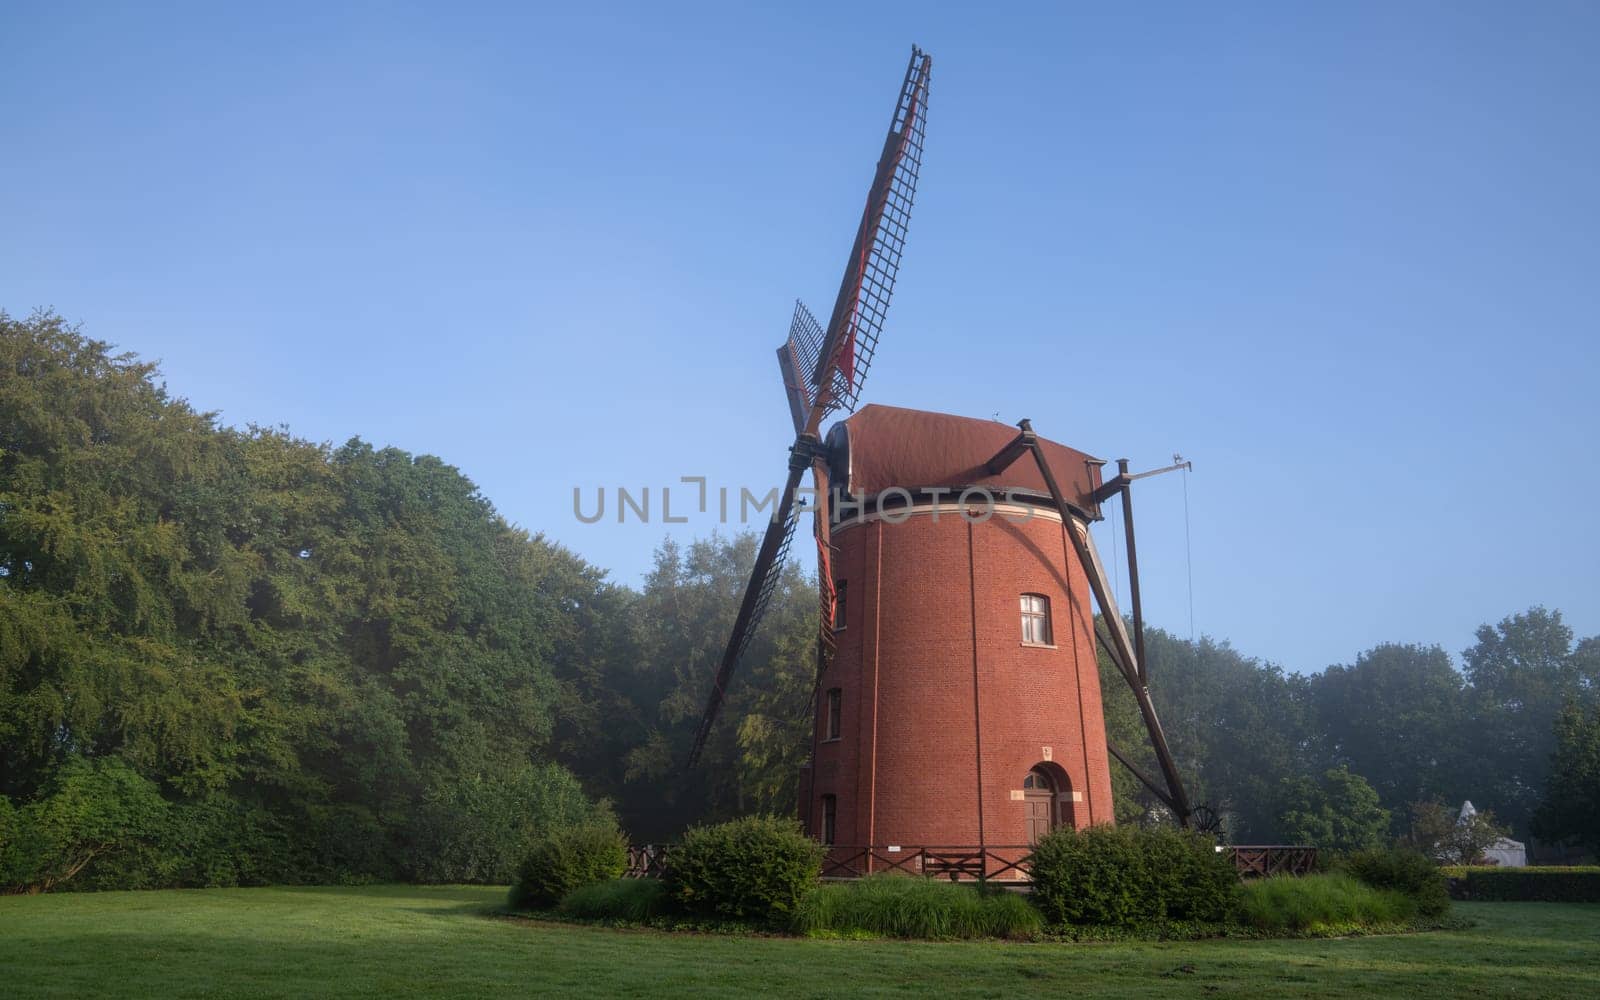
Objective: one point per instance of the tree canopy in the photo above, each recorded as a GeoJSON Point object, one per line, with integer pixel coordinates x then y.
{"type": "Point", "coordinates": [232, 655]}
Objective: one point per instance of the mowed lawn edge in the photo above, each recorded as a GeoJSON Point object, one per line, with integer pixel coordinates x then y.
{"type": "Point", "coordinates": [451, 941]}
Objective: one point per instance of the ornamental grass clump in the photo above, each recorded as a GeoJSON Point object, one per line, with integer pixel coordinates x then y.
{"type": "Point", "coordinates": [625, 900]}
{"type": "Point", "coordinates": [911, 906]}
{"type": "Point", "coordinates": [1320, 904]}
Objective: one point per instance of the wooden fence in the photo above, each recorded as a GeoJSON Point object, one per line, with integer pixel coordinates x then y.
{"type": "Point", "coordinates": [1006, 863]}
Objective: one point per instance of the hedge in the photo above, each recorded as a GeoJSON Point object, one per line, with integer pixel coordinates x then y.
{"type": "Point", "coordinates": [1538, 885]}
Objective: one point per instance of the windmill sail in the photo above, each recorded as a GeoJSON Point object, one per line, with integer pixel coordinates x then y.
{"type": "Point", "coordinates": [824, 368]}
{"type": "Point", "coordinates": [758, 594]}
{"type": "Point", "coordinates": [874, 262]}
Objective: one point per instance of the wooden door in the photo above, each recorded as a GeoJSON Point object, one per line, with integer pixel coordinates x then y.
{"type": "Point", "coordinates": [1038, 803]}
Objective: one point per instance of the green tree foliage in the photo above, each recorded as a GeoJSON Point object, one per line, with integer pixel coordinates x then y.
{"type": "Point", "coordinates": [1443, 834]}
{"type": "Point", "coordinates": [311, 651]}
{"type": "Point", "coordinates": [1397, 718]}
{"type": "Point", "coordinates": [1570, 810]}
{"type": "Point", "coordinates": [89, 809]}
{"type": "Point", "coordinates": [1237, 728]}
{"type": "Point", "coordinates": [1341, 812]}
{"type": "Point", "coordinates": [752, 760]}
{"type": "Point", "coordinates": [1522, 671]}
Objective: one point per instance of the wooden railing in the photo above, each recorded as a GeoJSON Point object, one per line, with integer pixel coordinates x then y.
{"type": "Point", "coordinates": [957, 862]}
{"type": "Point", "coordinates": [646, 861]}
{"type": "Point", "coordinates": [1261, 860]}
{"type": "Point", "coordinates": [1007, 862]}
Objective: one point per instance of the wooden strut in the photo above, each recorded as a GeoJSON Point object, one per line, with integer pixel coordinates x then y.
{"type": "Point", "coordinates": [1120, 647]}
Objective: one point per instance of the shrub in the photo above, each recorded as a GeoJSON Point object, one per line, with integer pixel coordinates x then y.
{"type": "Point", "coordinates": [757, 868]}
{"type": "Point", "coordinates": [1194, 880]}
{"type": "Point", "coordinates": [1093, 876]}
{"type": "Point", "coordinates": [478, 828]}
{"type": "Point", "coordinates": [564, 860]}
{"type": "Point", "coordinates": [1123, 876]}
{"type": "Point", "coordinates": [1318, 903]}
{"type": "Point", "coordinates": [93, 810]}
{"type": "Point", "coordinates": [1410, 873]}
{"type": "Point", "coordinates": [910, 906]}
{"type": "Point", "coordinates": [1538, 885]}
{"type": "Point", "coordinates": [632, 900]}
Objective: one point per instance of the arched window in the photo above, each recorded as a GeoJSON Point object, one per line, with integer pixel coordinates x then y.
{"type": "Point", "coordinates": [835, 706]}
{"type": "Point", "coordinates": [1036, 620]}
{"type": "Point", "coordinates": [830, 817]}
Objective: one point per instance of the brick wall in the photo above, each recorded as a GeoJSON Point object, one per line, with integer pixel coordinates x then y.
{"type": "Point", "coordinates": [931, 664]}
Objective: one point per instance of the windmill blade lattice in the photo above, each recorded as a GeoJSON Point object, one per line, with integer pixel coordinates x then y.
{"type": "Point", "coordinates": [758, 594]}
{"type": "Point", "coordinates": [875, 264]}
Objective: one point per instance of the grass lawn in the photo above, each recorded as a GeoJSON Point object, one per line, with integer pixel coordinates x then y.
{"type": "Point", "coordinates": [384, 941]}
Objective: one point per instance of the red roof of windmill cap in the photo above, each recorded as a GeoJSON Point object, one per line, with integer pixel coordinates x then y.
{"type": "Point", "coordinates": [880, 447]}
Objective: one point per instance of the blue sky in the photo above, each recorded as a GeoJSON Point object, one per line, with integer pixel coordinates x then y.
{"type": "Point", "coordinates": [1345, 258]}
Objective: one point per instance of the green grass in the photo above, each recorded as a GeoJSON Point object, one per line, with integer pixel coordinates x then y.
{"type": "Point", "coordinates": [1319, 903]}
{"type": "Point", "coordinates": [910, 907]}
{"type": "Point", "coordinates": [388, 941]}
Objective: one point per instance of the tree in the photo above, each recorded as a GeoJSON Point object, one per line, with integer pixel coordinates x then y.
{"type": "Point", "coordinates": [1398, 718]}
{"type": "Point", "coordinates": [303, 648]}
{"type": "Point", "coordinates": [1450, 838]}
{"type": "Point", "coordinates": [1338, 813]}
{"type": "Point", "coordinates": [1522, 671]}
{"type": "Point", "coordinates": [1570, 810]}
{"type": "Point", "coordinates": [1236, 726]}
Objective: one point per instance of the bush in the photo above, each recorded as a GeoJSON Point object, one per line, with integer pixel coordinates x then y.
{"type": "Point", "coordinates": [92, 811]}
{"type": "Point", "coordinates": [1194, 880]}
{"type": "Point", "coordinates": [1319, 903]}
{"type": "Point", "coordinates": [1123, 876]}
{"type": "Point", "coordinates": [478, 828]}
{"type": "Point", "coordinates": [1410, 873]}
{"type": "Point", "coordinates": [757, 868]}
{"type": "Point", "coordinates": [910, 906]}
{"type": "Point", "coordinates": [631, 900]}
{"type": "Point", "coordinates": [1534, 885]}
{"type": "Point", "coordinates": [566, 860]}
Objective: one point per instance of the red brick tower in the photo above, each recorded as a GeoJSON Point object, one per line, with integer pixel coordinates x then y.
{"type": "Point", "coordinates": [962, 705]}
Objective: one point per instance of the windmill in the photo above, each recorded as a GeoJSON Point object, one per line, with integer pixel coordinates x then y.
{"type": "Point", "coordinates": [933, 700]}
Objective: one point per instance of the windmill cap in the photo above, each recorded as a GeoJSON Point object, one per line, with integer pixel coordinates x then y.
{"type": "Point", "coordinates": [887, 447]}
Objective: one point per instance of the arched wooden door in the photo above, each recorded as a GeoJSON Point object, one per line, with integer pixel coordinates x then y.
{"type": "Point", "coordinates": [1039, 804]}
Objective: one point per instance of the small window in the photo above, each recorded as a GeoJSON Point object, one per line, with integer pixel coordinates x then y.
{"type": "Point", "coordinates": [835, 703]}
{"type": "Point", "coordinates": [1036, 620]}
{"type": "Point", "coordinates": [839, 604]}
{"type": "Point", "coordinates": [830, 817]}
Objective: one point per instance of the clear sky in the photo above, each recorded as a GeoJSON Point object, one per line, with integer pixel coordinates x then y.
{"type": "Point", "coordinates": [1344, 257]}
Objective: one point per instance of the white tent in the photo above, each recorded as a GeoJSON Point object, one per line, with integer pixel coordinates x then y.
{"type": "Point", "coordinates": [1505, 852]}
